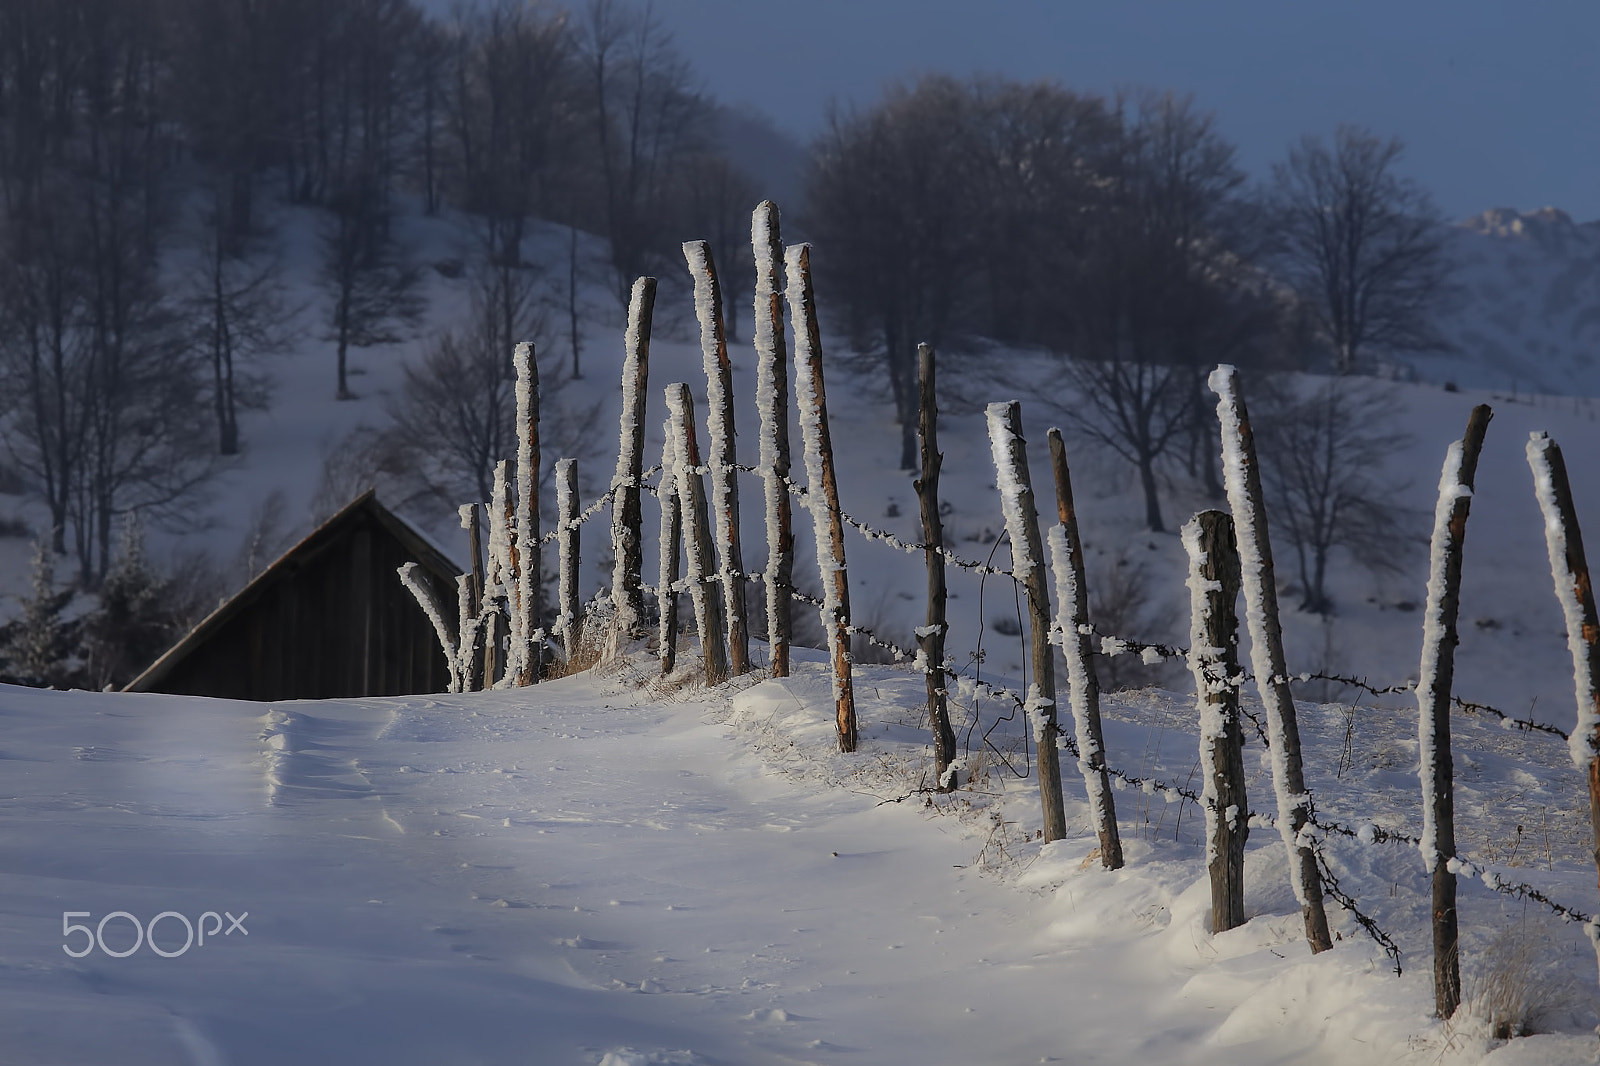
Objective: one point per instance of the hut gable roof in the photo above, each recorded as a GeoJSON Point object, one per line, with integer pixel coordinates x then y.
{"type": "Point", "coordinates": [364, 510]}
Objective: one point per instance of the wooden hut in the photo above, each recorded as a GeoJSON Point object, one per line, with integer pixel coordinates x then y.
{"type": "Point", "coordinates": [330, 618]}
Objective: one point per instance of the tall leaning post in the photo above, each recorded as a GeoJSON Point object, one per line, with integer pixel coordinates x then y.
{"type": "Point", "coordinates": [822, 486]}
{"type": "Point", "coordinates": [530, 588]}
{"type": "Point", "coordinates": [1010, 451]}
{"type": "Point", "coordinates": [569, 620]}
{"type": "Point", "coordinates": [627, 545]}
{"type": "Point", "coordinates": [1083, 687]}
{"type": "Point", "coordinates": [1214, 660]}
{"type": "Point", "coordinates": [1242, 477]}
{"type": "Point", "coordinates": [1569, 569]}
{"type": "Point", "coordinates": [472, 522]}
{"type": "Point", "coordinates": [671, 537]}
{"type": "Point", "coordinates": [698, 554]}
{"type": "Point", "coordinates": [772, 403]}
{"type": "Point", "coordinates": [722, 452]}
{"type": "Point", "coordinates": [1435, 677]}
{"type": "Point", "coordinates": [930, 637]}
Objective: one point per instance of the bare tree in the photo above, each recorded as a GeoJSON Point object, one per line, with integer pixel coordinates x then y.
{"type": "Point", "coordinates": [890, 201]}
{"type": "Point", "coordinates": [647, 116]}
{"type": "Point", "coordinates": [1362, 245]}
{"type": "Point", "coordinates": [1325, 448]}
{"type": "Point", "coordinates": [1157, 294]}
{"type": "Point", "coordinates": [239, 315]}
{"type": "Point", "coordinates": [373, 289]}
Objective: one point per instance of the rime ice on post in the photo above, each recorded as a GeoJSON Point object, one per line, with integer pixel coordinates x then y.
{"type": "Point", "coordinates": [721, 450]}
{"type": "Point", "coordinates": [1010, 453]}
{"type": "Point", "coordinates": [1242, 476]}
{"type": "Point", "coordinates": [1434, 678]}
{"type": "Point", "coordinates": [429, 602]}
{"type": "Point", "coordinates": [567, 546]}
{"type": "Point", "coordinates": [500, 592]}
{"type": "Point", "coordinates": [525, 634]}
{"type": "Point", "coordinates": [671, 534]}
{"type": "Point", "coordinates": [822, 487]}
{"type": "Point", "coordinates": [1072, 632]}
{"type": "Point", "coordinates": [697, 534]}
{"type": "Point", "coordinates": [1214, 661]}
{"type": "Point", "coordinates": [1569, 569]}
{"type": "Point", "coordinates": [772, 402]}
{"type": "Point", "coordinates": [627, 574]}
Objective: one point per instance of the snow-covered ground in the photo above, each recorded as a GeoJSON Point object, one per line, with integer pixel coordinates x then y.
{"type": "Point", "coordinates": [612, 869]}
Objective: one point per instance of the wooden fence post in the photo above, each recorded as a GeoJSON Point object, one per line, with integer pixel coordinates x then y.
{"type": "Point", "coordinates": [721, 450]}
{"type": "Point", "coordinates": [1242, 476]}
{"type": "Point", "coordinates": [1569, 568]}
{"type": "Point", "coordinates": [930, 638]}
{"type": "Point", "coordinates": [1214, 661]}
{"type": "Point", "coordinates": [569, 621]}
{"type": "Point", "coordinates": [627, 542]}
{"type": "Point", "coordinates": [772, 401]}
{"type": "Point", "coordinates": [697, 534]}
{"type": "Point", "coordinates": [1010, 452]}
{"type": "Point", "coordinates": [822, 486]}
{"type": "Point", "coordinates": [671, 535]}
{"type": "Point", "coordinates": [1083, 687]}
{"type": "Point", "coordinates": [470, 521]}
{"type": "Point", "coordinates": [526, 637]}
{"type": "Point", "coordinates": [500, 591]}
{"type": "Point", "coordinates": [1434, 679]}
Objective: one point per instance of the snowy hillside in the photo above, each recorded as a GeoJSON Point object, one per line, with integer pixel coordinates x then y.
{"type": "Point", "coordinates": [1526, 313]}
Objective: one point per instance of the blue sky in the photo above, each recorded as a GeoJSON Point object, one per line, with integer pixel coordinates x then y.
{"type": "Point", "coordinates": [1498, 103]}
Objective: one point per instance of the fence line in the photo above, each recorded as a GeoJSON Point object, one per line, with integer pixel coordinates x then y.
{"type": "Point", "coordinates": [504, 600]}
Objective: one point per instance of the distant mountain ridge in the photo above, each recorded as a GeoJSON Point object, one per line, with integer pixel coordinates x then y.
{"type": "Point", "coordinates": [1525, 313]}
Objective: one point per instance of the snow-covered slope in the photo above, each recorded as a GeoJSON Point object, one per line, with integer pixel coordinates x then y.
{"type": "Point", "coordinates": [1525, 316]}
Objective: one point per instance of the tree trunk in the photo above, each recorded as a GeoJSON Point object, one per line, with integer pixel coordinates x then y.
{"type": "Point", "coordinates": [1152, 500]}
{"type": "Point", "coordinates": [569, 620]}
{"type": "Point", "coordinates": [822, 486]}
{"type": "Point", "coordinates": [697, 534]}
{"type": "Point", "coordinates": [772, 401]}
{"type": "Point", "coordinates": [1214, 660]}
{"type": "Point", "coordinates": [1242, 476]}
{"type": "Point", "coordinates": [722, 452]}
{"type": "Point", "coordinates": [931, 636]}
{"type": "Point", "coordinates": [627, 520]}
{"type": "Point", "coordinates": [1570, 570]}
{"type": "Point", "coordinates": [1066, 559]}
{"type": "Point", "coordinates": [1027, 568]}
{"type": "Point", "coordinates": [670, 538]}
{"type": "Point", "coordinates": [1437, 769]}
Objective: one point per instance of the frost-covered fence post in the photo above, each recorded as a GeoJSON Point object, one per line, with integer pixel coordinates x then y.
{"type": "Point", "coordinates": [670, 537]}
{"type": "Point", "coordinates": [772, 401]}
{"type": "Point", "coordinates": [1214, 661]}
{"type": "Point", "coordinates": [1010, 452]}
{"type": "Point", "coordinates": [1434, 678]}
{"type": "Point", "coordinates": [500, 587]}
{"type": "Point", "coordinates": [822, 487]}
{"type": "Point", "coordinates": [471, 522]}
{"type": "Point", "coordinates": [527, 638]}
{"type": "Point", "coordinates": [930, 638]}
{"type": "Point", "coordinates": [697, 533]}
{"type": "Point", "coordinates": [1073, 633]}
{"type": "Point", "coordinates": [1569, 568]}
{"type": "Point", "coordinates": [1242, 475]}
{"type": "Point", "coordinates": [429, 602]}
{"type": "Point", "coordinates": [722, 454]}
{"type": "Point", "coordinates": [568, 621]}
{"type": "Point", "coordinates": [627, 520]}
